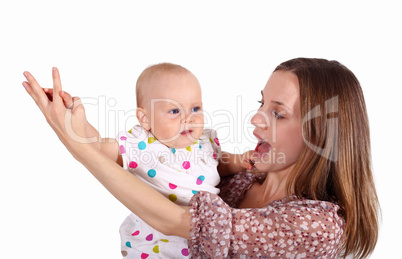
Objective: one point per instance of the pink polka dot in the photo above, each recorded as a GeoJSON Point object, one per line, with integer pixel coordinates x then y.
{"type": "Point", "coordinates": [215, 156]}
{"type": "Point", "coordinates": [172, 186]}
{"type": "Point", "coordinates": [217, 141]}
{"type": "Point", "coordinates": [144, 255]}
{"type": "Point", "coordinates": [132, 164]}
{"type": "Point", "coordinates": [136, 233]}
{"type": "Point", "coordinates": [186, 165]}
{"type": "Point", "coordinates": [149, 237]}
{"type": "Point", "coordinates": [123, 138]}
{"type": "Point", "coordinates": [185, 252]}
{"type": "Point", "coordinates": [122, 149]}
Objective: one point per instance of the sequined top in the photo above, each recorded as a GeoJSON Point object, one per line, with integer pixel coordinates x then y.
{"type": "Point", "coordinates": [288, 228]}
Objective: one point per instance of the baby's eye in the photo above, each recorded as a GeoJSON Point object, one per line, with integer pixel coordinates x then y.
{"type": "Point", "coordinates": [196, 109]}
{"type": "Point", "coordinates": [174, 111]}
{"type": "Point", "coordinates": [277, 115]}
{"type": "Point", "coordinates": [261, 103]}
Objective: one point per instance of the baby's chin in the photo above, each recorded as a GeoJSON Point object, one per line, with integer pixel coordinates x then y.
{"type": "Point", "coordinates": [181, 145]}
{"type": "Point", "coordinates": [183, 142]}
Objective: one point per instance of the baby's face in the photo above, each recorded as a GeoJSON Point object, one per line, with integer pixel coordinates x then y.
{"type": "Point", "coordinates": [175, 109]}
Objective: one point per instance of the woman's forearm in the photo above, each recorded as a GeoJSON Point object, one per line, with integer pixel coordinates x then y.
{"type": "Point", "coordinates": [137, 196]}
{"type": "Point", "coordinates": [73, 129]}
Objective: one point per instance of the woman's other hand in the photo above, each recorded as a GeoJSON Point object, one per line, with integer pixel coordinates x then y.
{"type": "Point", "coordinates": [246, 160]}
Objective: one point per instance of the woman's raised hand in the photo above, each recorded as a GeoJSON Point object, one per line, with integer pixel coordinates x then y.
{"type": "Point", "coordinates": [69, 103]}
{"type": "Point", "coordinates": [64, 114]}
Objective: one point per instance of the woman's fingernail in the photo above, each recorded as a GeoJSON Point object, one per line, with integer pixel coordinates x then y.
{"type": "Point", "coordinates": [26, 74]}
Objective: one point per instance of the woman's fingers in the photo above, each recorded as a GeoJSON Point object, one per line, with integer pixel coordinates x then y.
{"type": "Point", "coordinates": [77, 104]}
{"type": "Point", "coordinates": [49, 93]}
{"type": "Point", "coordinates": [67, 99]}
{"type": "Point", "coordinates": [56, 85]}
{"type": "Point", "coordinates": [35, 91]}
{"type": "Point", "coordinates": [247, 161]}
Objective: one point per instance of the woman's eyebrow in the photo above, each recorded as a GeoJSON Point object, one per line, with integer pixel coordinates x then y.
{"type": "Point", "coordinates": [277, 102]}
{"type": "Point", "coordinates": [281, 104]}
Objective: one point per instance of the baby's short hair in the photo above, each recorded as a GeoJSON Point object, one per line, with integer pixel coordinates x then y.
{"type": "Point", "coordinates": [155, 70]}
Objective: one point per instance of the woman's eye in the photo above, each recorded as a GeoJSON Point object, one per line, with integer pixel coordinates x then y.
{"type": "Point", "coordinates": [174, 111]}
{"type": "Point", "coordinates": [196, 109]}
{"type": "Point", "coordinates": [261, 103]}
{"type": "Point", "coordinates": [277, 115]}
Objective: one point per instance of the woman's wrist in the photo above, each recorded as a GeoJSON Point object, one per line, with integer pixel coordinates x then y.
{"type": "Point", "coordinates": [82, 151]}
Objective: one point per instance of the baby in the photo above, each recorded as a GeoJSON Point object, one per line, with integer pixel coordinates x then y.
{"type": "Point", "coordinates": [170, 150]}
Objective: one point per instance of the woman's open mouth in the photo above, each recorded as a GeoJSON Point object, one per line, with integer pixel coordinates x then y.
{"type": "Point", "coordinates": [262, 148]}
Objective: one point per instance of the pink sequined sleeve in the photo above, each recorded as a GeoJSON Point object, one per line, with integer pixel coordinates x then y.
{"type": "Point", "coordinates": [288, 228]}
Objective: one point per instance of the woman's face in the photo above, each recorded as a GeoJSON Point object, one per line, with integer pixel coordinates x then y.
{"type": "Point", "coordinates": [278, 124]}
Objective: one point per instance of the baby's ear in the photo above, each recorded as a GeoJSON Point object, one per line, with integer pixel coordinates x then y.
{"type": "Point", "coordinates": [143, 118]}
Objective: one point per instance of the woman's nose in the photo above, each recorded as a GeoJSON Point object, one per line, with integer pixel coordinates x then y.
{"type": "Point", "coordinates": [260, 120]}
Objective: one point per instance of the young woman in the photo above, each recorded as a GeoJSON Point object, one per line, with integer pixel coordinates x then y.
{"type": "Point", "coordinates": [315, 196]}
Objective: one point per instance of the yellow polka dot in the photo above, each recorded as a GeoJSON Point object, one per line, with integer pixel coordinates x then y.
{"type": "Point", "coordinates": [151, 140]}
{"type": "Point", "coordinates": [173, 197]}
{"type": "Point", "coordinates": [188, 149]}
{"type": "Point", "coordinates": [165, 240]}
{"type": "Point", "coordinates": [129, 131]}
{"type": "Point", "coordinates": [211, 140]}
{"type": "Point", "coordinates": [156, 249]}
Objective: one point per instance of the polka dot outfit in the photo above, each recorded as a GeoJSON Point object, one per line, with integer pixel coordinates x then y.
{"type": "Point", "coordinates": [288, 228]}
{"type": "Point", "coordinates": [178, 174]}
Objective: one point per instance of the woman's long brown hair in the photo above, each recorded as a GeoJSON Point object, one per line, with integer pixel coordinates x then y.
{"type": "Point", "coordinates": [335, 163]}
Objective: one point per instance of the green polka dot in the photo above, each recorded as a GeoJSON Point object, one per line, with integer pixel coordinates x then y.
{"type": "Point", "coordinates": [173, 197]}
{"type": "Point", "coordinates": [156, 249]}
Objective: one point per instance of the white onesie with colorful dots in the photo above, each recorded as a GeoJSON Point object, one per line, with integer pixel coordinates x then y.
{"type": "Point", "coordinates": [176, 173]}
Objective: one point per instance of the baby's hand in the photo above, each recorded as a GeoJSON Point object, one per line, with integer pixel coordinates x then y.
{"type": "Point", "coordinates": [246, 160]}
{"type": "Point", "coordinates": [67, 99]}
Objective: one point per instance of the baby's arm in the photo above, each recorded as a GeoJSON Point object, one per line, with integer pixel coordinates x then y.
{"type": "Point", "coordinates": [234, 163]}
{"type": "Point", "coordinates": [108, 146]}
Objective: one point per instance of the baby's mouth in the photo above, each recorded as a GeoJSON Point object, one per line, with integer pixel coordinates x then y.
{"type": "Point", "coordinates": [186, 132]}
{"type": "Point", "coordinates": [262, 148]}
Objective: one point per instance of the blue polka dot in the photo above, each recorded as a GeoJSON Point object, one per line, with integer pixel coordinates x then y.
{"type": "Point", "coordinates": [194, 192]}
{"type": "Point", "coordinates": [173, 150]}
{"type": "Point", "coordinates": [151, 173]}
{"type": "Point", "coordinates": [142, 145]}
{"type": "Point", "coordinates": [199, 145]}
{"type": "Point", "coordinates": [128, 244]}
{"type": "Point", "coordinates": [201, 177]}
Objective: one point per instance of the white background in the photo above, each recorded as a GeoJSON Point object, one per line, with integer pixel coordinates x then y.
{"type": "Point", "coordinates": [51, 207]}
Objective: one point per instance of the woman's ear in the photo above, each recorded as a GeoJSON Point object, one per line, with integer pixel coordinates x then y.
{"type": "Point", "coordinates": [143, 118]}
